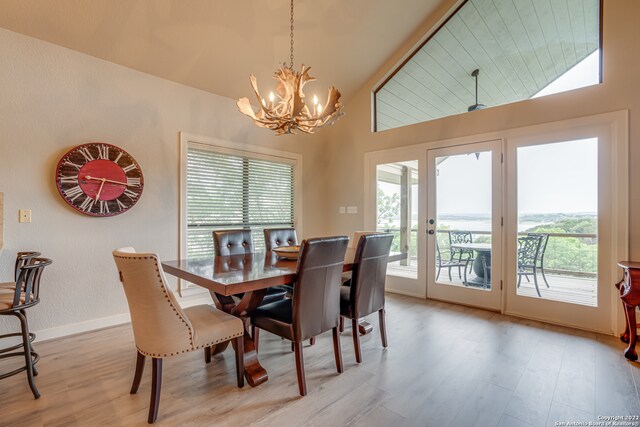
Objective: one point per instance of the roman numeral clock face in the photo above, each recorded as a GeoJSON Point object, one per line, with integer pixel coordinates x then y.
{"type": "Point", "coordinates": [99, 179]}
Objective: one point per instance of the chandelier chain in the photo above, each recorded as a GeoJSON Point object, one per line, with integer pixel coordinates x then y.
{"type": "Point", "coordinates": [291, 57]}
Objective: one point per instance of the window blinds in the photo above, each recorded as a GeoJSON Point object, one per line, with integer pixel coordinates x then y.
{"type": "Point", "coordinates": [227, 191]}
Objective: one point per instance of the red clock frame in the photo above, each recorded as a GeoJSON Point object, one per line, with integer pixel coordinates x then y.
{"type": "Point", "coordinates": [99, 179]}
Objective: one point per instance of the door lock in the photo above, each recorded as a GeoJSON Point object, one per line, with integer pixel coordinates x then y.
{"type": "Point", "coordinates": [431, 232]}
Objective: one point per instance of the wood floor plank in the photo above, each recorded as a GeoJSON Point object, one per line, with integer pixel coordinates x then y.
{"type": "Point", "coordinates": [445, 365]}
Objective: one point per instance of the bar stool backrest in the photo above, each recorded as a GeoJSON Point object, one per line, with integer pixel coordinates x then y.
{"type": "Point", "coordinates": [27, 291]}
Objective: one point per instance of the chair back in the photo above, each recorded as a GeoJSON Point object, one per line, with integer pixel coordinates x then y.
{"type": "Point", "coordinates": [369, 274]}
{"type": "Point", "coordinates": [528, 248]}
{"type": "Point", "coordinates": [160, 327]}
{"type": "Point", "coordinates": [544, 239]}
{"type": "Point", "coordinates": [456, 237]}
{"type": "Point", "coordinates": [276, 237]}
{"type": "Point", "coordinates": [356, 237]}
{"type": "Point", "coordinates": [22, 258]}
{"type": "Point", "coordinates": [27, 290]}
{"type": "Point", "coordinates": [316, 296]}
{"type": "Point", "coordinates": [233, 242]}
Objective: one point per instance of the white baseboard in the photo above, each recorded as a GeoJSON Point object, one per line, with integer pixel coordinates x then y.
{"type": "Point", "coordinates": [107, 322]}
{"type": "Point", "coordinates": [405, 293]}
{"type": "Point", "coordinates": [77, 328]}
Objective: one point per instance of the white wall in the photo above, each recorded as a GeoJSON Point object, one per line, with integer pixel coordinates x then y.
{"type": "Point", "coordinates": [52, 99]}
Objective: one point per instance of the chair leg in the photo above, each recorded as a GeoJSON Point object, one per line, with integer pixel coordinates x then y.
{"type": "Point", "coordinates": [450, 279]}
{"type": "Point", "coordinates": [383, 327]}
{"type": "Point", "coordinates": [302, 384]}
{"type": "Point", "coordinates": [356, 340]}
{"type": "Point", "coordinates": [341, 324]}
{"type": "Point", "coordinates": [240, 361]}
{"type": "Point", "coordinates": [255, 335]}
{"type": "Point", "coordinates": [438, 274]}
{"type": "Point", "coordinates": [156, 385]}
{"type": "Point", "coordinates": [535, 281]}
{"type": "Point", "coordinates": [519, 280]}
{"type": "Point", "coordinates": [27, 354]}
{"type": "Point", "coordinates": [336, 350]}
{"type": "Point", "coordinates": [207, 355]}
{"type": "Point", "coordinates": [544, 277]}
{"type": "Point", "coordinates": [312, 341]}
{"type": "Point", "coordinates": [137, 377]}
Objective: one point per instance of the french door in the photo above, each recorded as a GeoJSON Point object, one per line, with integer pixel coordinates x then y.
{"type": "Point", "coordinates": [464, 224]}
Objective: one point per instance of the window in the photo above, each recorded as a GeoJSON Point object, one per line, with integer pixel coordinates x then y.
{"type": "Point", "coordinates": [522, 49]}
{"type": "Point", "coordinates": [228, 189]}
{"type": "Point", "coordinates": [397, 212]}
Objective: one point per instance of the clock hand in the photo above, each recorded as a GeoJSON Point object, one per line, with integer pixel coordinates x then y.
{"type": "Point", "coordinates": [100, 189]}
{"type": "Point", "coordinates": [105, 179]}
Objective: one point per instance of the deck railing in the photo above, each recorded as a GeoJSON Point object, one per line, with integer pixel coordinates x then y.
{"type": "Point", "coordinates": [570, 254]}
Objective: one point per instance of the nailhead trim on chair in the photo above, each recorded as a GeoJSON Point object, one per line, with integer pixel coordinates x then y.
{"type": "Point", "coordinates": [166, 295]}
{"type": "Point", "coordinates": [180, 317]}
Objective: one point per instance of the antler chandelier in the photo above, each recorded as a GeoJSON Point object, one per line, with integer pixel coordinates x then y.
{"type": "Point", "coordinates": [286, 111]}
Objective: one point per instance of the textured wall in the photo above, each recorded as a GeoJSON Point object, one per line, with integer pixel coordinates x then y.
{"type": "Point", "coordinates": [54, 99]}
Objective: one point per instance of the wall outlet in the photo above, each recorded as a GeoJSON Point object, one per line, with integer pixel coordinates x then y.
{"type": "Point", "coordinates": [352, 209]}
{"type": "Point", "coordinates": [342, 210]}
{"type": "Point", "coordinates": [24, 215]}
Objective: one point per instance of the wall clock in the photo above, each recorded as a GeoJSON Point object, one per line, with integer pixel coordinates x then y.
{"type": "Point", "coordinates": [99, 179]}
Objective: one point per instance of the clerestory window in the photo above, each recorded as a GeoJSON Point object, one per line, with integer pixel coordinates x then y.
{"type": "Point", "coordinates": [494, 52]}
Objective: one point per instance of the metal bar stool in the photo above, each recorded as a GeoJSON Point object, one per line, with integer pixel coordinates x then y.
{"type": "Point", "coordinates": [15, 298]}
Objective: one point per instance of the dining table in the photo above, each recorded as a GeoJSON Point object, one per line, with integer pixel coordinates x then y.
{"type": "Point", "coordinates": [481, 263]}
{"type": "Point", "coordinates": [238, 283]}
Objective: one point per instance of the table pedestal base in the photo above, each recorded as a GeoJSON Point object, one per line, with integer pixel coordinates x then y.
{"type": "Point", "coordinates": [254, 373]}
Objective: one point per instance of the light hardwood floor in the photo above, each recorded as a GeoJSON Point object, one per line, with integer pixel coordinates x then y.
{"type": "Point", "coordinates": [445, 365]}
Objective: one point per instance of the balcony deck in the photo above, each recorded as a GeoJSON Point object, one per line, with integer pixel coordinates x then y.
{"type": "Point", "coordinates": [562, 288]}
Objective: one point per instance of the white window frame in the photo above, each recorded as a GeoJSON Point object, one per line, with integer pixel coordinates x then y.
{"type": "Point", "coordinates": [223, 146]}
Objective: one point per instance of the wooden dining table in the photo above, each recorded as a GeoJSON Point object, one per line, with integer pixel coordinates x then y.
{"type": "Point", "coordinates": [250, 275]}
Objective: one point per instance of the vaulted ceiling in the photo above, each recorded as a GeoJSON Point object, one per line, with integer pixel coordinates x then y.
{"type": "Point", "coordinates": [215, 45]}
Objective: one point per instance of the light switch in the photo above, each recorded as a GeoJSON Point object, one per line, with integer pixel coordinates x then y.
{"type": "Point", "coordinates": [24, 215]}
{"type": "Point", "coordinates": [352, 209]}
{"type": "Point", "coordinates": [342, 210]}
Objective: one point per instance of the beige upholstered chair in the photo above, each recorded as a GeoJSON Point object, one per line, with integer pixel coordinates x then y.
{"type": "Point", "coordinates": [161, 327]}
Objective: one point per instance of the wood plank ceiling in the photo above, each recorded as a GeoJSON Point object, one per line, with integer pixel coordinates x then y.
{"type": "Point", "coordinates": [520, 47]}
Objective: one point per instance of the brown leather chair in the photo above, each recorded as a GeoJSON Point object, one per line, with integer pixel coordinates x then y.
{"type": "Point", "coordinates": [161, 328]}
{"type": "Point", "coordinates": [240, 242]}
{"type": "Point", "coordinates": [276, 237]}
{"type": "Point", "coordinates": [315, 306]}
{"type": "Point", "coordinates": [15, 298]}
{"type": "Point", "coordinates": [365, 291]}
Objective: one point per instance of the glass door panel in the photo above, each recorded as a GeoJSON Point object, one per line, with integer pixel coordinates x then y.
{"type": "Point", "coordinates": [557, 215]}
{"type": "Point", "coordinates": [397, 212]}
{"type": "Point", "coordinates": [464, 216]}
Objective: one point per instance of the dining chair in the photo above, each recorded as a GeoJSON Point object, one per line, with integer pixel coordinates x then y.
{"type": "Point", "coordinates": [240, 242]}
{"type": "Point", "coordinates": [365, 295]}
{"type": "Point", "coordinates": [315, 305]}
{"type": "Point", "coordinates": [528, 249]}
{"type": "Point", "coordinates": [161, 328]}
{"type": "Point", "coordinates": [15, 298]}
{"type": "Point", "coordinates": [276, 237]}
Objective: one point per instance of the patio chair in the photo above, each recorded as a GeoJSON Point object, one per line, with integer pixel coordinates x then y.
{"type": "Point", "coordinates": [447, 263]}
{"type": "Point", "coordinates": [540, 257]}
{"type": "Point", "coordinates": [460, 255]}
{"type": "Point", "coordinates": [528, 248]}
